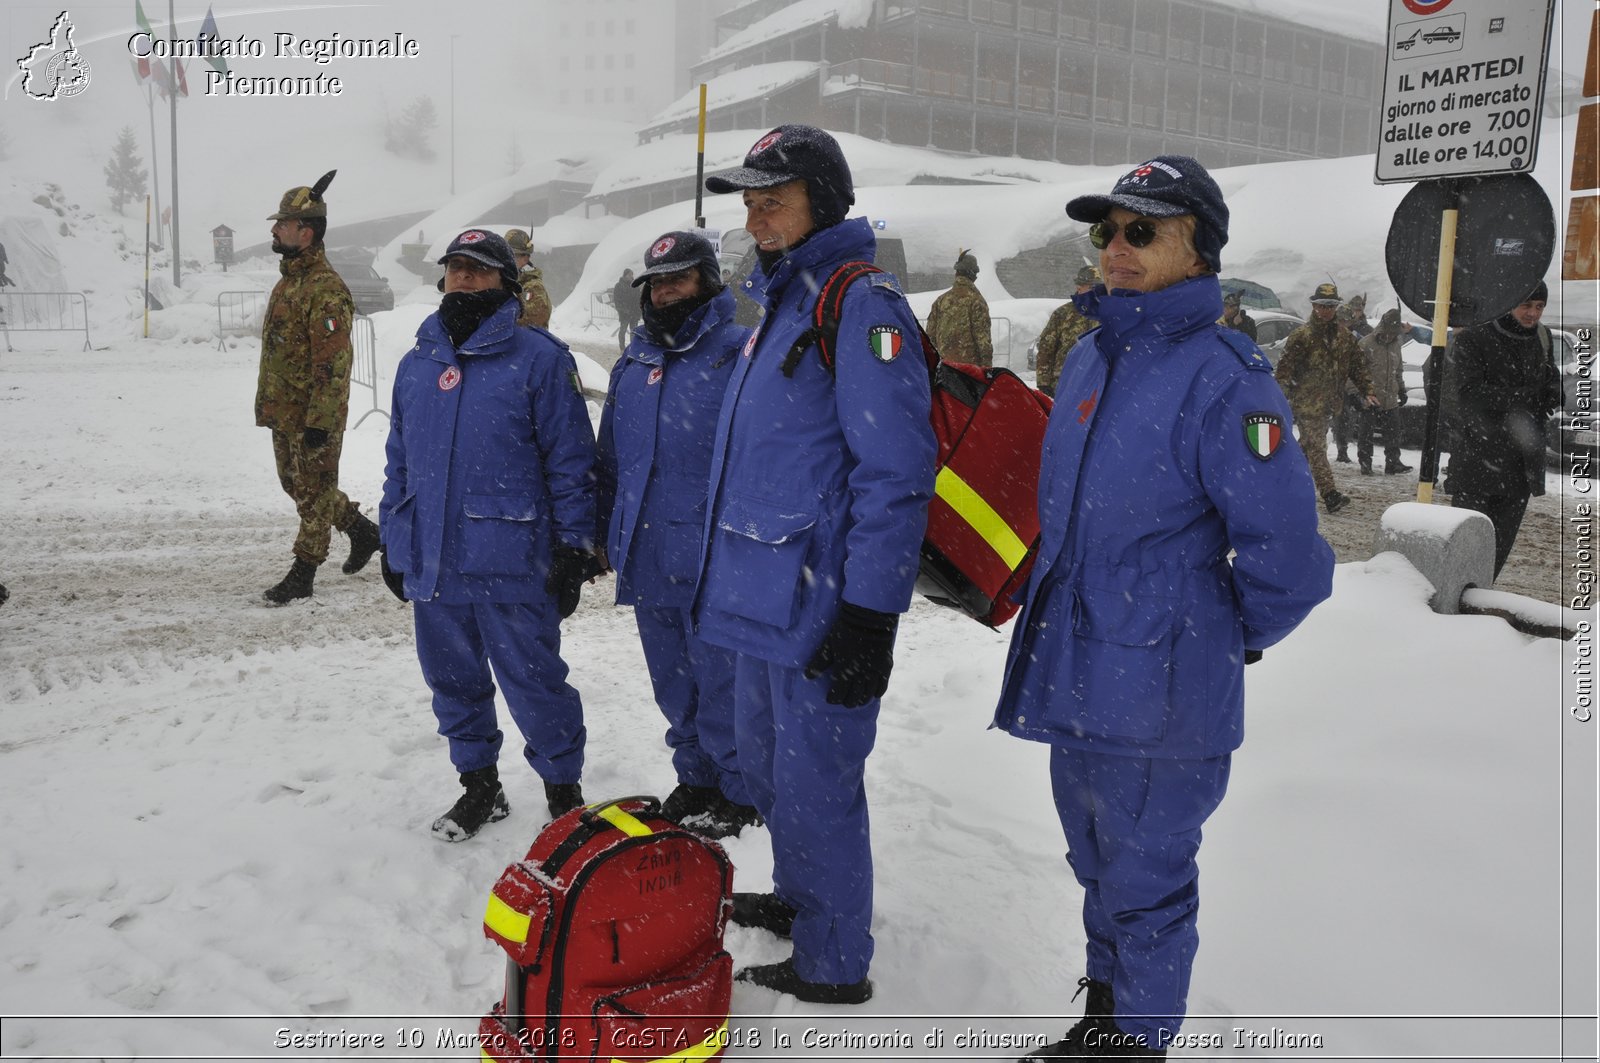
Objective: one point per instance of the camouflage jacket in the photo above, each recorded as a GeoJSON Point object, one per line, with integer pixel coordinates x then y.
{"type": "Point", "coordinates": [1242, 321]}
{"type": "Point", "coordinates": [305, 347]}
{"type": "Point", "coordinates": [958, 324]}
{"type": "Point", "coordinates": [1317, 360]}
{"type": "Point", "coordinates": [1064, 329]}
{"type": "Point", "coordinates": [535, 300]}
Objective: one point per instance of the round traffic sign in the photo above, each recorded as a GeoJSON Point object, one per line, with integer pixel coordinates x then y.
{"type": "Point", "coordinates": [1505, 239]}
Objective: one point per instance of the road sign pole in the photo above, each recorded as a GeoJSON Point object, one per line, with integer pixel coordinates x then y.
{"type": "Point", "coordinates": [1433, 384]}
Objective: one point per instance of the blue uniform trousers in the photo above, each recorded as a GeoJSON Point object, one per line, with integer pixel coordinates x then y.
{"type": "Point", "coordinates": [456, 644]}
{"type": "Point", "coordinates": [804, 763]}
{"type": "Point", "coordinates": [1133, 829]}
{"type": "Point", "coordinates": [693, 683]}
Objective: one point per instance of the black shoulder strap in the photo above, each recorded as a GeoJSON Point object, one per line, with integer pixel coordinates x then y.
{"type": "Point", "coordinates": [824, 330]}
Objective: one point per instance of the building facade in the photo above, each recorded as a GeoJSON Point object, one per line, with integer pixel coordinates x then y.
{"type": "Point", "coordinates": [1075, 81]}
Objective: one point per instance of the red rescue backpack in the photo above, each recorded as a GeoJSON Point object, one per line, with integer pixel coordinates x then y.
{"type": "Point", "coordinates": [983, 522]}
{"type": "Point", "coordinates": [612, 927]}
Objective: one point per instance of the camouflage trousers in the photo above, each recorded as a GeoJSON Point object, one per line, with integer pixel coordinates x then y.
{"type": "Point", "coordinates": [1313, 426]}
{"type": "Point", "coordinates": [311, 478]}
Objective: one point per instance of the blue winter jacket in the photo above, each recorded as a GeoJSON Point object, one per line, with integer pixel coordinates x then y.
{"type": "Point", "coordinates": [655, 453]}
{"type": "Point", "coordinates": [819, 483]}
{"type": "Point", "coordinates": [491, 463]}
{"type": "Point", "coordinates": [1168, 449]}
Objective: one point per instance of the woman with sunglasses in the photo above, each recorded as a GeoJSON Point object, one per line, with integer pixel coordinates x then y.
{"type": "Point", "coordinates": [1179, 541]}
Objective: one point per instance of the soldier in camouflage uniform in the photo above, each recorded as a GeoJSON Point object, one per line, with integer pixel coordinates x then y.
{"type": "Point", "coordinates": [1318, 358]}
{"type": "Point", "coordinates": [1065, 327]}
{"type": "Point", "coordinates": [304, 390]}
{"type": "Point", "coordinates": [535, 300]}
{"type": "Point", "coordinates": [1234, 315]}
{"type": "Point", "coordinates": [958, 324]}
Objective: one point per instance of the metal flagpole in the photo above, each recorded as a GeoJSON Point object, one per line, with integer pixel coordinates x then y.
{"type": "Point", "coordinates": [177, 258]}
{"type": "Point", "coordinates": [155, 160]}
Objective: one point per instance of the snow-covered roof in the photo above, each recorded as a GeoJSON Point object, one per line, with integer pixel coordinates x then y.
{"type": "Point", "coordinates": [737, 86]}
{"type": "Point", "coordinates": [851, 14]}
{"type": "Point", "coordinates": [871, 162]}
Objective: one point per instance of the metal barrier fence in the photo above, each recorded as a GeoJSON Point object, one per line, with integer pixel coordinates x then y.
{"type": "Point", "coordinates": [239, 314]}
{"type": "Point", "coordinates": [44, 312]}
{"type": "Point", "coordinates": [364, 364]}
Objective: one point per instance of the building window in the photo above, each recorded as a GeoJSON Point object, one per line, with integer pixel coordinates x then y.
{"type": "Point", "coordinates": [627, 93]}
{"type": "Point", "coordinates": [1078, 18]}
{"type": "Point", "coordinates": [627, 61]}
{"type": "Point", "coordinates": [1115, 29]}
{"type": "Point", "coordinates": [610, 94]}
{"type": "Point", "coordinates": [1150, 29]}
{"type": "Point", "coordinates": [1279, 55]}
{"type": "Point", "coordinates": [588, 62]}
{"type": "Point", "coordinates": [588, 95]}
{"type": "Point", "coordinates": [1183, 36]}
{"type": "Point", "coordinates": [1037, 17]}
{"type": "Point", "coordinates": [611, 62]}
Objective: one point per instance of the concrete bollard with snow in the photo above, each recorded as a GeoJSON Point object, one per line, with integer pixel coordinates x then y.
{"type": "Point", "coordinates": [1454, 551]}
{"type": "Point", "coordinates": [1452, 548]}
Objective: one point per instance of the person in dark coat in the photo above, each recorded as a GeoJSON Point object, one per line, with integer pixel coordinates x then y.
{"type": "Point", "coordinates": [1507, 387]}
{"type": "Point", "coordinates": [1179, 541]}
{"type": "Point", "coordinates": [820, 481]}
{"type": "Point", "coordinates": [626, 302]}
{"type": "Point", "coordinates": [654, 459]}
{"type": "Point", "coordinates": [488, 523]}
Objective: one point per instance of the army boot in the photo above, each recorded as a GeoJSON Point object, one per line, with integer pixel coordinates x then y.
{"type": "Point", "coordinates": [1395, 467]}
{"type": "Point", "coordinates": [1366, 466]}
{"type": "Point", "coordinates": [1097, 1009]}
{"type": "Point", "coordinates": [483, 802]}
{"type": "Point", "coordinates": [1344, 455]}
{"type": "Point", "coordinates": [562, 797]}
{"type": "Point", "coordinates": [1335, 501]}
{"type": "Point", "coordinates": [363, 544]}
{"type": "Point", "coordinates": [297, 584]}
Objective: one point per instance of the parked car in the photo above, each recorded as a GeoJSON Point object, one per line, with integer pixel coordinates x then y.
{"type": "Point", "coordinates": [370, 291]}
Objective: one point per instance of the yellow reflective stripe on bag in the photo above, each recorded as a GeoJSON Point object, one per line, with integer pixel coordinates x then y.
{"type": "Point", "coordinates": [970, 507]}
{"type": "Point", "coordinates": [715, 1042]}
{"type": "Point", "coordinates": [506, 920]}
{"type": "Point", "coordinates": [621, 820]}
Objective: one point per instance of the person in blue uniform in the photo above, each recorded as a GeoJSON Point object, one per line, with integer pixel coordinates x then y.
{"type": "Point", "coordinates": [488, 526]}
{"type": "Point", "coordinates": [655, 454]}
{"type": "Point", "coordinates": [1179, 542]}
{"type": "Point", "coordinates": [820, 481]}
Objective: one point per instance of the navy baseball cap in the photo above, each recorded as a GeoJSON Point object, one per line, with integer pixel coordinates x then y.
{"type": "Point", "coordinates": [1166, 187]}
{"type": "Point", "coordinates": [675, 252]}
{"type": "Point", "coordinates": [796, 153]}
{"type": "Point", "coordinates": [481, 245]}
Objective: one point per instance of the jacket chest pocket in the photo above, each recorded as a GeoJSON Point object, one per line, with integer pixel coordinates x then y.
{"type": "Point", "coordinates": [761, 550]}
{"type": "Point", "coordinates": [1120, 670]}
{"type": "Point", "coordinates": [499, 535]}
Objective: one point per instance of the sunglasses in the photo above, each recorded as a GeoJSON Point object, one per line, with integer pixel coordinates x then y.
{"type": "Point", "coordinates": [1140, 232]}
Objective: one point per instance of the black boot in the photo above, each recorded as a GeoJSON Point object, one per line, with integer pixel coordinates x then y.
{"type": "Point", "coordinates": [563, 797]}
{"type": "Point", "coordinates": [1344, 455]}
{"type": "Point", "coordinates": [1366, 467]}
{"type": "Point", "coordinates": [764, 911]}
{"type": "Point", "coordinates": [782, 977]}
{"type": "Point", "coordinates": [724, 819]}
{"type": "Point", "coordinates": [1097, 1009]}
{"type": "Point", "coordinates": [686, 800]}
{"type": "Point", "coordinates": [1335, 501]}
{"type": "Point", "coordinates": [483, 802]}
{"type": "Point", "coordinates": [297, 584]}
{"type": "Point", "coordinates": [363, 544]}
{"type": "Point", "coordinates": [1391, 468]}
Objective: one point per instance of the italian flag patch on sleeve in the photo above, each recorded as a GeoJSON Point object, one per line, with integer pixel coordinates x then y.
{"type": "Point", "coordinates": [1263, 432]}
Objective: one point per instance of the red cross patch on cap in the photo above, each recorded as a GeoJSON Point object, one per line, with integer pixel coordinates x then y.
{"type": "Point", "coordinates": [471, 236]}
{"type": "Point", "coordinates": [766, 142]}
{"type": "Point", "coordinates": [662, 246]}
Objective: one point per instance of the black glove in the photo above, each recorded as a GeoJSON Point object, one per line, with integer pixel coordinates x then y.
{"type": "Point", "coordinates": [570, 567]}
{"type": "Point", "coordinates": [1252, 656]}
{"type": "Point", "coordinates": [395, 581]}
{"type": "Point", "coordinates": [859, 649]}
{"type": "Point", "coordinates": [315, 438]}
{"type": "Point", "coordinates": [1405, 396]}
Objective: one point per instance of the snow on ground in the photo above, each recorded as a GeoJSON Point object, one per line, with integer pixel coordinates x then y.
{"type": "Point", "coordinates": [218, 808]}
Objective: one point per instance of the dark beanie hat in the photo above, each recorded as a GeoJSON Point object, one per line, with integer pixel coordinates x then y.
{"type": "Point", "coordinates": [1540, 294]}
{"type": "Point", "coordinates": [1165, 187]}
{"type": "Point", "coordinates": [796, 153]}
